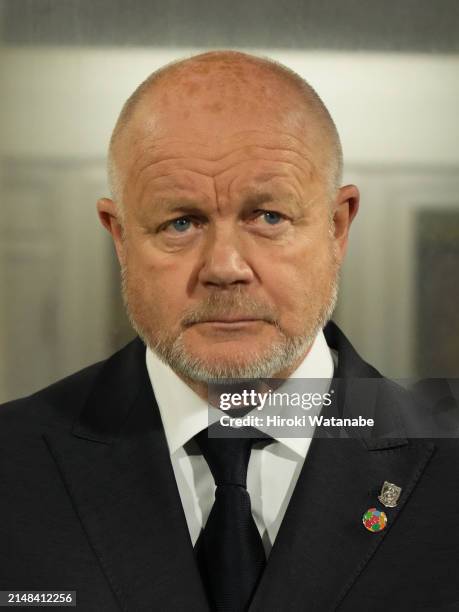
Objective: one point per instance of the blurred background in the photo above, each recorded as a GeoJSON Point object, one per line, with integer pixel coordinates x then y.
{"type": "Point", "coordinates": [389, 74]}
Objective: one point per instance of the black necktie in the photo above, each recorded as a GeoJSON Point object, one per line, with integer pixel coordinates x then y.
{"type": "Point", "coordinates": [229, 551]}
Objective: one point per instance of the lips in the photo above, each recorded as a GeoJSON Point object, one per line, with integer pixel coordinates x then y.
{"type": "Point", "coordinates": [230, 320]}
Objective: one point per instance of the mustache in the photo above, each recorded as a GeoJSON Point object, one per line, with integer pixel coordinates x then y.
{"type": "Point", "coordinates": [236, 304]}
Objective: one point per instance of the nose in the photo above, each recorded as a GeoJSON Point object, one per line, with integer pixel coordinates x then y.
{"type": "Point", "coordinates": [224, 263]}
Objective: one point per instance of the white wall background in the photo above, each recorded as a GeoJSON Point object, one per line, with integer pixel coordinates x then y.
{"type": "Point", "coordinates": [389, 108]}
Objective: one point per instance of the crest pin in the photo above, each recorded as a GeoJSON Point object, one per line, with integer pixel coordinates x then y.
{"type": "Point", "coordinates": [389, 494]}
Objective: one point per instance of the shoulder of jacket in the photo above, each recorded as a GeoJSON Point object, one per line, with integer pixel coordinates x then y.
{"type": "Point", "coordinates": [57, 403]}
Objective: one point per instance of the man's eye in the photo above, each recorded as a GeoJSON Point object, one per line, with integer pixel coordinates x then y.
{"type": "Point", "coordinates": [181, 224]}
{"type": "Point", "coordinates": [271, 217]}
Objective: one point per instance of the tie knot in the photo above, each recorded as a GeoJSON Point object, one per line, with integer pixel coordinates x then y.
{"type": "Point", "coordinates": [227, 457]}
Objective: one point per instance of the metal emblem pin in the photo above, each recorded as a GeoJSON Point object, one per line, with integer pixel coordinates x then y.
{"type": "Point", "coordinates": [374, 520]}
{"type": "Point", "coordinates": [389, 494]}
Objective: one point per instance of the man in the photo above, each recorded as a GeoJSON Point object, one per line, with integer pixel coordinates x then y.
{"type": "Point", "coordinates": [230, 225]}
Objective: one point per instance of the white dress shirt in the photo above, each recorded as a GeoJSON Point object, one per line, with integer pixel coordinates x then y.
{"type": "Point", "coordinates": [273, 468]}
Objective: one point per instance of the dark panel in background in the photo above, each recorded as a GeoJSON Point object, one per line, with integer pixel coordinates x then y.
{"type": "Point", "coordinates": [438, 293]}
{"type": "Point", "coordinates": [390, 25]}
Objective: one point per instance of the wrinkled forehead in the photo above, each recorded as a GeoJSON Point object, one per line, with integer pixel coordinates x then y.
{"type": "Point", "coordinates": [263, 151]}
{"type": "Point", "coordinates": [211, 118]}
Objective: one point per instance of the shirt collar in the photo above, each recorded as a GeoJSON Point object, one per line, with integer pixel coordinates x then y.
{"type": "Point", "coordinates": [184, 413]}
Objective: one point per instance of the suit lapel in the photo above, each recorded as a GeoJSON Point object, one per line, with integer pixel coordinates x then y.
{"type": "Point", "coordinates": [322, 545]}
{"type": "Point", "coordinates": [116, 467]}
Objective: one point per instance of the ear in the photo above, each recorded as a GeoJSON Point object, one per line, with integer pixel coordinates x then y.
{"type": "Point", "coordinates": [345, 208]}
{"type": "Point", "coordinates": [110, 219]}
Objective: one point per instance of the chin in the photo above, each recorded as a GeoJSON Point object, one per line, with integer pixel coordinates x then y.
{"type": "Point", "coordinates": [231, 360]}
{"type": "Point", "coordinates": [223, 355]}
{"type": "Point", "coordinates": [237, 351]}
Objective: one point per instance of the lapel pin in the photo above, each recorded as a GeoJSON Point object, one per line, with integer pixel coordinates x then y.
{"type": "Point", "coordinates": [374, 520]}
{"type": "Point", "coordinates": [389, 494]}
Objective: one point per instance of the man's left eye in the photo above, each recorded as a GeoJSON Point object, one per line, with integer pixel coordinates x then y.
{"type": "Point", "coordinates": [181, 224]}
{"type": "Point", "coordinates": [271, 217]}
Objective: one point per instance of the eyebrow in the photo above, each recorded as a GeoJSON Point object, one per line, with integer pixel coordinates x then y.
{"type": "Point", "coordinates": [174, 205]}
{"type": "Point", "coordinates": [264, 198]}
{"type": "Point", "coordinates": [189, 206]}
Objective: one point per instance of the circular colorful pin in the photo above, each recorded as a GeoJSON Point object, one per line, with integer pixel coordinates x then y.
{"type": "Point", "coordinates": [374, 520]}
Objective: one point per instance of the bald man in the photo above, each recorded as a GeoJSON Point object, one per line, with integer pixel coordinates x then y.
{"type": "Point", "coordinates": [230, 224]}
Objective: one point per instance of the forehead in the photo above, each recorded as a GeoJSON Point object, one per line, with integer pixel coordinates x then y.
{"type": "Point", "coordinates": [244, 163]}
{"type": "Point", "coordinates": [214, 132]}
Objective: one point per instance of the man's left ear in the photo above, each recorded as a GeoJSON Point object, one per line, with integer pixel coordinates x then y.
{"type": "Point", "coordinates": [345, 208]}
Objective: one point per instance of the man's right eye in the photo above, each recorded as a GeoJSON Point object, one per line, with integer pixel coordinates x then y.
{"type": "Point", "coordinates": [181, 224]}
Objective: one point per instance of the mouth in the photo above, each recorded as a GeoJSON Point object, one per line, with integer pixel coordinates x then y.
{"type": "Point", "coordinates": [231, 320]}
{"type": "Point", "coordinates": [230, 324]}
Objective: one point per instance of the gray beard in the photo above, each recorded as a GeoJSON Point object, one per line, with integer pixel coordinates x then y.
{"type": "Point", "coordinates": [281, 355]}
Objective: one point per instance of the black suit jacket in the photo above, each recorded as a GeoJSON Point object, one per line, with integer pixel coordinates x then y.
{"type": "Point", "coordinates": [88, 502]}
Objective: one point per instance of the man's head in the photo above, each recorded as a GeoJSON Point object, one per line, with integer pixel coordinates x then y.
{"type": "Point", "coordinates": [226, 206]}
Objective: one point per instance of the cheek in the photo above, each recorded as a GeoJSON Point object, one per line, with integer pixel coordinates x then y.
{"type": "Point", "coordinates": [297, 280]}
{"type": "Point", "coordinates": [151, 277]}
